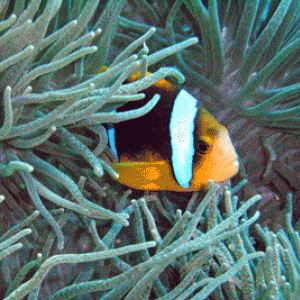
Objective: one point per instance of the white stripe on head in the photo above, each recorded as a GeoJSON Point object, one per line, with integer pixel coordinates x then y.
{"type": "Point", "coordinates": [182, 126]}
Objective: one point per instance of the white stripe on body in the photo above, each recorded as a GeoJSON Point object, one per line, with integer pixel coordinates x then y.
{"type": "Point", "coordinates": [112, 138]}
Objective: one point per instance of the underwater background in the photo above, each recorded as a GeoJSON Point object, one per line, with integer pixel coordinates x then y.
{"type": "Point", "coordinates": [68, 229]}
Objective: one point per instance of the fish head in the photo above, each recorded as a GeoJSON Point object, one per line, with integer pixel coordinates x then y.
{"type": "Point", "coordinates": [217, 160]}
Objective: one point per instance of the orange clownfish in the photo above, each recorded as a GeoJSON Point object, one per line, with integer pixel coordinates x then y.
{"type": "Point", "coordinates": [177, 146]}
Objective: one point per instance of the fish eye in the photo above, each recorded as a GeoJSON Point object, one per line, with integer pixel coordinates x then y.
{"type": "Point", "coordinates": [201, 146]}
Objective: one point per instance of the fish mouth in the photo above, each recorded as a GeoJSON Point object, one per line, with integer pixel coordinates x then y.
{"type": "Point", "coordinates": [230, 169]}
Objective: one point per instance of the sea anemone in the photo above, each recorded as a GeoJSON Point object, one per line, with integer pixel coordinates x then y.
{"type": "Point", "coordinates": [56, 96]}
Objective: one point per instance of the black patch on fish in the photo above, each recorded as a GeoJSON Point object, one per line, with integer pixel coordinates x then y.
{"type": "Point", "coordinates": [150, 132]}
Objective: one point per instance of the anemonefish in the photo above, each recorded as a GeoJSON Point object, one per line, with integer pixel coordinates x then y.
{"type": "Point", "coordinates": [177, 146]}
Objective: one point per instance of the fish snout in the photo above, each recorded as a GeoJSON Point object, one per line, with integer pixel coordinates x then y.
{"type": "Point", "coordinates": [224, 157]}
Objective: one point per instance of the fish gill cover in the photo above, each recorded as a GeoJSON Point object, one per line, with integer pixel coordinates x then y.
{"type": "Point", "coordinates": [67, 231]}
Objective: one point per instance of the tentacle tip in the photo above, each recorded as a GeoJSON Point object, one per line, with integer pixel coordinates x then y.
{"type": "Point", "coordinates": [210, 183]}
{"type": "Point", "coordinates": [181, 79]}
{"type": "Point", "coordinates": [194, 40]}
{"type": "Point", "coordinates": [98, 171]}
{"type": "Point", "coordinates": [124, 223]}
{"type": "Point", "coordinates": [28, 90]}
{"type": "Point", "coordinates": [94, 48]}
{"type": "Point", "coordinates": [152, 244]}
{"type": "Point", "coordinates": [143, 201]}
{"type": "Point", "coordinates": [61, 245]}
{"type": "Point", "coordinates": [13, 17]}
{"type": "Point", "coordinates": [227, 192]}
{"type": "Point", "coordinates": [98, 31]}
{"type": "Point", "coordinates": [125, 216]}
{"type": "Point", "coordinates": [178, 212]}
{"type": "Point", "coordinates": [28, 231]}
